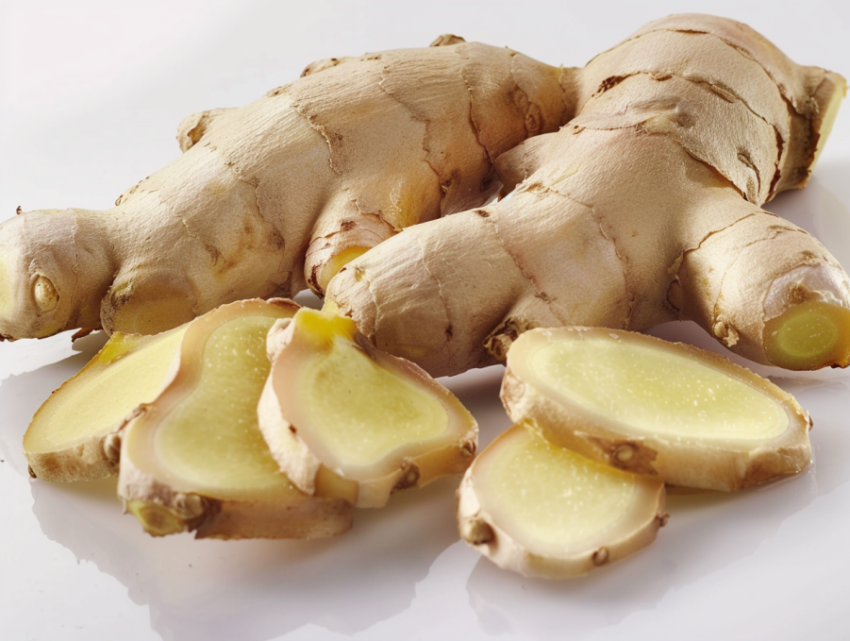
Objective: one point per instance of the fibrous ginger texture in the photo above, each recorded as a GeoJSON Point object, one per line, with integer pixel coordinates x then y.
{"type": "Point", "coordinates": [279, 194]}
{"type": "Point", "coordinates": [645, 208]}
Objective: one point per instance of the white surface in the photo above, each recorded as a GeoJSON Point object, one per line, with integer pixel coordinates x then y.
{"type": "Point", "coordinates": [90, 97]}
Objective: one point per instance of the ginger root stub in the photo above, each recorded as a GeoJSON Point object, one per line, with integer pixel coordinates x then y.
{"type": "Point", "coordinates": [684, 415]}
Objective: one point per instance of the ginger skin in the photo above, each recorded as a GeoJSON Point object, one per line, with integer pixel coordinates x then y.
{"type": "Point", "coordinates": [645, 208]}
{"type": "Point", "coordinates": [275, 196]}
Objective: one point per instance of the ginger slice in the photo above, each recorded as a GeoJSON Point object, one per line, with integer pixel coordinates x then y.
{"type": "Point", "coordinates": [644, 405]}
{"type": "Point", "coordinates": [541, 510]}
{"type": "Point", "coordinates": [72, 435]}
{"type": "Point", "coordinates": [195, 459]}
{"type": "Point", "coordinates": [347, 420]}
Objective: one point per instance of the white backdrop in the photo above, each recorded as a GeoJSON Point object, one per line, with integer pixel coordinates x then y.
{"type": "Point", "coordinates": [90, 97]}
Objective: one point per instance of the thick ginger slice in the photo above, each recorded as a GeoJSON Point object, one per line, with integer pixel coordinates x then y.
{"type": "Point", "coordinates": [195, 459]}
{"type": "Point", "coordinates": [544, 511]}
{"type": "Point", "coordinates": [346, 420]}
{"type": "Point", "coordinates": [278, 195]}
{"type": "Point", "coordinates": [73, 436]}
{"type": "Point", "coordinates": [644, 208]}
{"type": "Point", "coordinates": [684, 415]}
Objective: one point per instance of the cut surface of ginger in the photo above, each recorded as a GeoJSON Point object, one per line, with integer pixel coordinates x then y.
{"type": "Point", "coordinates": [656, 391]}
{"type": "Point", "coordinates": [196, 460]}
{"type": "Point", "coordinates": [542, 510]}
{"type": "Point", "coordinates": [652, 407]}
{"type": "Point", "coordinates": [807, 335]}
{"type": "Point", "coordinates": [344, 419]}
{"type": "Point", "coordinates": [217, 419]}
{"type": "Point", "coordinates": [67, 439]}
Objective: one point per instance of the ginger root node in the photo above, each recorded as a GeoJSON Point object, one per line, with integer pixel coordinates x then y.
{"type": "Point", "coordinates": [477, 532]}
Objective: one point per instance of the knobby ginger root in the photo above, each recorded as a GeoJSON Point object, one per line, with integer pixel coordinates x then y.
{"type": "Point", "coordinates": [73, 436]}
{"type": "Point", "coordinates": [277, 195]}
{"type": "Point", "coordinates": [643, 209]}
{"type": "Point", "coordinates": [194, 459]}
{"type": "Point", "coordinates": [684, 415]}
{"type": "Point", "coordinates": [542, 510]}
{"type": "Point", "coordinates": [346, 420]}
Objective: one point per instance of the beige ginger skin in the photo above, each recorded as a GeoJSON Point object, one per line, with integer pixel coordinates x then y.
{"type": "Point", "coordinates": [278, 195]}
{"type": "Point", "coordinates": [644, 208]}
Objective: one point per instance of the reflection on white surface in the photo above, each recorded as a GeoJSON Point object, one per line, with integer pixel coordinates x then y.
{"type": "Point", "coordinates": [707, 533]}
{"type": "Point", "coordinates": [404, 563]}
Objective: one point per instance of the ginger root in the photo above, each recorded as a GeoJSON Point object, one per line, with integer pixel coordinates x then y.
{"type": "Point", "coordinates": [194, 459]}
{"type": "Point", "coordinates": [645, 208]}
{"type": "Point", "coordinates": [279, 194]}
{"type": "Point", "coordinates": [346, 420]}
{"type": "Point", "coordinates": [684, 415]}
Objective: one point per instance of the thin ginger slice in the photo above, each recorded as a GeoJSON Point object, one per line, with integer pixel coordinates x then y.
{"type": "Point", "coordinates": [73, 435]}
{"type": "Point", "coordinates": [344, 419]}
{"type": "Point", "coordinates": [541, 510]}
{"type": "Point", "coordinates": [688, 416]}
{"type": "Point", "coordinates": [195, 459]}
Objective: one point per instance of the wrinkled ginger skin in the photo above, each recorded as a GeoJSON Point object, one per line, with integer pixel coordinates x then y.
{"type": "Point", "coordinates": [274, 196]}
{"type": "Point", "coordinates": [645, 208]}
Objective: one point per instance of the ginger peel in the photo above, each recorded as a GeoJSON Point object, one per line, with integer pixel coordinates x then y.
{"type": "Point", "coordinates": [644, 208]}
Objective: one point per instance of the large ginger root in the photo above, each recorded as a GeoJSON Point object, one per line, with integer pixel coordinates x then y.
{"type": "Point", "coordinates": [679, 413]}
{"type": "Point", "coordinates": [542, 510]}
{"type": "Point", "coordinates": [643, 209]}
{"type": "Point", "coordinates": [281, 192]}
{"type": "Point", "coordinates": [345, 420]}
{"type": "Point", "coordinates": [194, 459]}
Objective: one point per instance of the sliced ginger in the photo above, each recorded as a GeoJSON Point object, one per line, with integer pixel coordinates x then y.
{"type": "Point", "coordinates": [641, 404]}
{"type": "Point", "coordinates": [542, 510]}
{"type": "Point", "coordinates": [72, 436]}
{"type": "Point", "coordinates": [195, 459]}
{"type": "Point", "coordinates": [344, 419]}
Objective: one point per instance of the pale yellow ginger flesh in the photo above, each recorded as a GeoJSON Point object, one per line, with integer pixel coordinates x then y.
{"type": "Point", "coordinates": [655, 390]}
{"type": "Point", "coordinates": [343, 419]}
{"type": "Point", "coordinates": [195, 459]}
{"type": "Point", "coordinates": [542, 510]}
{"type": "Point", "coordinates": [72, 436]}
{"type": "Point", "coordinates": [685, 415]}
{"type": "Point", "coordinates": [808, 335]}
{"type": "Point", "coordinates": [217, 420]}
